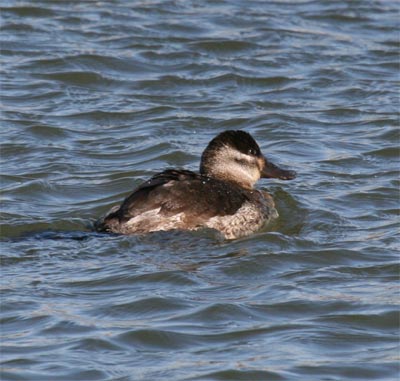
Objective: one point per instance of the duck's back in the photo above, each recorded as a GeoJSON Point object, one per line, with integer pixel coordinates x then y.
{"type": "Point", "coordinates": [176, 199]}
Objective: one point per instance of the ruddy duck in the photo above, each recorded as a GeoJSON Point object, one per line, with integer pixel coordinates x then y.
{"type": "Point", "coordinates": [220, 197]}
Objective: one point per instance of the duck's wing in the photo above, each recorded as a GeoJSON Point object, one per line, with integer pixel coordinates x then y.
{"type": "Point", "coordinates": [181, 191]}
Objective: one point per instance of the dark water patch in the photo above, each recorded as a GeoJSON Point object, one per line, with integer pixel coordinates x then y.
{"type": "Point", "coordinates": [234, 374]}
{"type": "Point", "coordinates": [79, 78]}
{"type": "Point", "coordinates": [186, 57]}
{"type": "Point", "coordinates": [155, 339]}
{"type": "Point", "coordinates": [217, 313]}
{"type": "Point", "coordinates": [174, 82]}
{"type": "Point", "coordinates": [172, 29]}
{"type": "Point", "coordinates": [386, 153]}
{"type": "Point", "coordinates": [98, 345]}
{"type": "Point", "coordinates": [27, 11]}
{"type": "Point", "coordinates": [173, 278]}
{"type": "Point", "coordinates": [47, 132]}
{"type": "Point", "coordinates": [301, 308]}
{"type": "Point", "coordinates": [391, 271]}
{"type": "Point", "coordinates": [387, 321]}
{"type": "Point", "coordinates": [14, 27]}
{"type": "Point", "coordinates": [361, 371]}
{"type": "Point", "coordinates": [144, 309]}
{"type": "Point", "coordinates": [170, 340]}
{"type": "Point", "coordinates": [223, 46]}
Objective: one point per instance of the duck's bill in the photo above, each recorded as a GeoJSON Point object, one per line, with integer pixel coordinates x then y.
{"type": "Point", "coordinates": [273, 171]}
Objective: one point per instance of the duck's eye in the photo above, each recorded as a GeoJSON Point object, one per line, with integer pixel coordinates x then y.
{"type": "Point", "coordinates": [252, 151]}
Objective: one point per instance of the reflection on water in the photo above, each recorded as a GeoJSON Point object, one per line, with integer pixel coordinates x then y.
{"type": "Point", "coordinates": [97, 98]}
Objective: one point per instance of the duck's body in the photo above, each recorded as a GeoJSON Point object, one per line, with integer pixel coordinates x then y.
{"type": "Point", "coordinates": [220, 197]}
{"type": "Point", "coordinates": [178, 199]}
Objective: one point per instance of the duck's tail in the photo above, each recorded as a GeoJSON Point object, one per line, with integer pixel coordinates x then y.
{"type": "Point", "coordinates": [108, 223]}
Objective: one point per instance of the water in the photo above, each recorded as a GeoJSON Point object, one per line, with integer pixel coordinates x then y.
{"type": "Point", "coordinates": [99, 96]}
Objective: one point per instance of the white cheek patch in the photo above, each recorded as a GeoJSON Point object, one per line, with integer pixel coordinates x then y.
{"type": "Point", "coordinates": [230, 164]}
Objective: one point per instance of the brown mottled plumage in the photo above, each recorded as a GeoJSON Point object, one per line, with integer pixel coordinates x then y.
{"type": "Point", "coordinates": [220, 197]}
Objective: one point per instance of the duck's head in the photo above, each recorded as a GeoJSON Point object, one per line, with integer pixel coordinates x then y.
{"type": "Point", "coordinates": [235, 156]}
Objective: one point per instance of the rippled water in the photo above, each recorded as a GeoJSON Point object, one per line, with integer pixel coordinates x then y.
{"type": "Point", "coordinates": [98, 96]}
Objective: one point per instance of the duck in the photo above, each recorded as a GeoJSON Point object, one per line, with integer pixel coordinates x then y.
{"type": "Point", "coordinates": [221, 196]}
